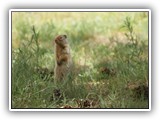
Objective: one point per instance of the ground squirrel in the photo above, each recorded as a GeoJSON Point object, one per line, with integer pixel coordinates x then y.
{"type": "Point", "coordinates": [63, 61]}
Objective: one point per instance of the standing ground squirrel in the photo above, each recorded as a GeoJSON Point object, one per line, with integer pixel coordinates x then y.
{"type": "Point", "coordinates": [63, 61]}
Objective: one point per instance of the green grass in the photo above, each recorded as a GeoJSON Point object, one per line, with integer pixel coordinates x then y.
{"type": "Point", "coordinates": [109, 50]}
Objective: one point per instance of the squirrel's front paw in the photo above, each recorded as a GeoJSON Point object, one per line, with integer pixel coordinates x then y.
{"type": "Point", "coordinates": [59, 63]}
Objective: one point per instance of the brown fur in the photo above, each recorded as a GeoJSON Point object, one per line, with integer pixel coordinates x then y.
{"type": "Point", "coordinates": [63, 59]}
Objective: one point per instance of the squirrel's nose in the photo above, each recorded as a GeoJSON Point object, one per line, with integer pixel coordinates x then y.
{"type": "Point", "coordinates": [65, 36]}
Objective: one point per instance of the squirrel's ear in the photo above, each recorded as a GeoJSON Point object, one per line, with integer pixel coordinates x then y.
{"type": "Point", "coordinates": [65, 36]}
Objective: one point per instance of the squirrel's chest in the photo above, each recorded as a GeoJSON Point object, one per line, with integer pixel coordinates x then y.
{"type": "Point", "coordinates": [60, 52]}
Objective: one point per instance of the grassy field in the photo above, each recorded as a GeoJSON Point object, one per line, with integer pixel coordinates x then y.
{"type": "Point", "coordinates": [110, 54]}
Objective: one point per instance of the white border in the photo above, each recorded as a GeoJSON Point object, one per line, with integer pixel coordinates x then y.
{"type": "Point", "coordinates": [79, 10]}
{"type": "Point", "coordinates": [10, 47]}
{"type": "Point", "coordinates": [150, 59]}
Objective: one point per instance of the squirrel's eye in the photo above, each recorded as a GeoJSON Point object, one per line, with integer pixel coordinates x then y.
{"type": "Point", "coordinates": [59, 37]}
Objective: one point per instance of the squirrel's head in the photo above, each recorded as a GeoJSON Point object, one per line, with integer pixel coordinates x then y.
{"type": "Point", "coordinates": [61, 40]}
